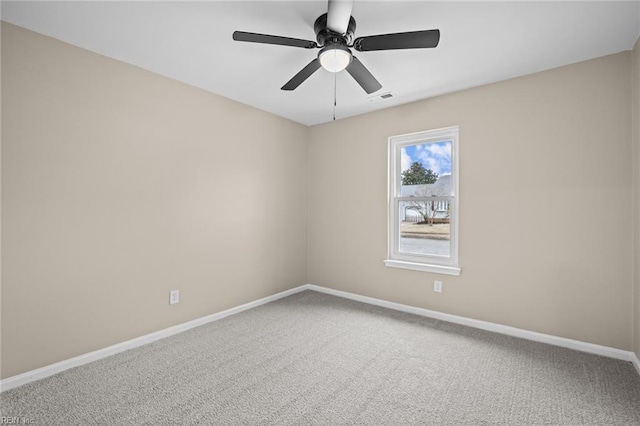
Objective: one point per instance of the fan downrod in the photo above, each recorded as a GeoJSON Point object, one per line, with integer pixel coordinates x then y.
{"type": "Point", "coordinates": [326, 37]}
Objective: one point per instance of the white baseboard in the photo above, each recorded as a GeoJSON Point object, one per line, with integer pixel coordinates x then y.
{"type": "Point", "coordinates": [49, 370]}
{"type": "Point", "coordinates": [636, 362]}
{"type": "Point", "coordinates": [489, 326]}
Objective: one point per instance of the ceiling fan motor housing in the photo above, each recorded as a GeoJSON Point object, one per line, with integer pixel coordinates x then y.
{"type": "Point", "coordinates": [326, 37]}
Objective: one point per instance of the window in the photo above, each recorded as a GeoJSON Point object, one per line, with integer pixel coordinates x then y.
{"type": "Point", "coordinates": [423, 201]}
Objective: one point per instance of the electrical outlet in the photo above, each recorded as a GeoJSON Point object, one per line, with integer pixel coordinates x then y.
{"type": "Point", "coordinates": [174, 297]}
{"type": "Point", "coordinates": [437, 286]}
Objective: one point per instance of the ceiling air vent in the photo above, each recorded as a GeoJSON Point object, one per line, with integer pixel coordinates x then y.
{"type": "Point", "coordinates": [380, 97]}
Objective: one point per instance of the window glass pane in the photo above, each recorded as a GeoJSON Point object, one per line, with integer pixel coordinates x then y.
{"type": "Point", "coordinates": [426, 170]}
{"type": "Point", "coordinates": [425, 227]}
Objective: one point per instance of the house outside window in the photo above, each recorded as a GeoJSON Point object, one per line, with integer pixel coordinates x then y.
{"type": "Point", "coordinates": [423, 201]}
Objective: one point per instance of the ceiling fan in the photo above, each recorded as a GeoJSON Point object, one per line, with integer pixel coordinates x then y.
{"type": "Point", "coordinates": [335, 36]}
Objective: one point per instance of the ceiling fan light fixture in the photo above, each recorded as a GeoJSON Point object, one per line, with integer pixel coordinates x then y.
{"type": "Point", "coordinates": [334, 58]}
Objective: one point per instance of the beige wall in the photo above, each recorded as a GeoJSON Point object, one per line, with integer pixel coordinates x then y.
{"type": "Point", "coordinates": [545, 198]}
{"type": "Point", "coordinates": [635, 57]}
{"type": "Point", "coordinates": [119, 185]}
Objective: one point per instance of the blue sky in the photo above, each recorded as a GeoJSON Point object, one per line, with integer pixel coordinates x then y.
{"type": "Point", "coordinates": [435, 156]}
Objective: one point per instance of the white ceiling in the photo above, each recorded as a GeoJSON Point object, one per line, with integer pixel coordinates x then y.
{"type": "Point", "coordinates": [481, 42]}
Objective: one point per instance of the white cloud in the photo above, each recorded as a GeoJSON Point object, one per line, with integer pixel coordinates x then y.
{"type": "Point", "coordinates": [405, 160]}
{"type": "Point", "coordinates": [435, 156]}
{"type": "Point", "coordinates": [439, 150]}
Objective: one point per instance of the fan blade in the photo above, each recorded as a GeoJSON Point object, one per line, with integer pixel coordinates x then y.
{"type": "Point", "coordinates": [361, 74]}
{"type": "Point", "coordinates": [304, 74]}
{"type": "Point", "coordinates": [410, 40]}
{"type": "Point", "coordinates": [338, 15]}
{"type": "Point", "coordinates": [271, 39]}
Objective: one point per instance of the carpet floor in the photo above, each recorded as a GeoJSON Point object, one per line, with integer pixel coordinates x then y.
{"type": "Point", "coordinates": [314, 359]}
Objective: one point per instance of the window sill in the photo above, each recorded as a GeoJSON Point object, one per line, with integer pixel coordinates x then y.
{"type": "Point", "coordinates": [424, 267]}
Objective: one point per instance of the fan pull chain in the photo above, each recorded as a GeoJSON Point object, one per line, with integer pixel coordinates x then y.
{"type": "Point", "coordinates": [334, 96]}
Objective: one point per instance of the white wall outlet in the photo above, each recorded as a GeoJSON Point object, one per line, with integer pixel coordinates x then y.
{"type": "Point", "coordinates": [174, 297]}
{"type": "Point", "coordinates": [437, 286]}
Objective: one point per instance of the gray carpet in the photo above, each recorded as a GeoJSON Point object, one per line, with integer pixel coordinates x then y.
{"type": "Point", "coordinates": [312, 358]}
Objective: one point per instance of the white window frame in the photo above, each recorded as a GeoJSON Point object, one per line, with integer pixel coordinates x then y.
{"type": "Point", "coordinates": [428, 263]}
